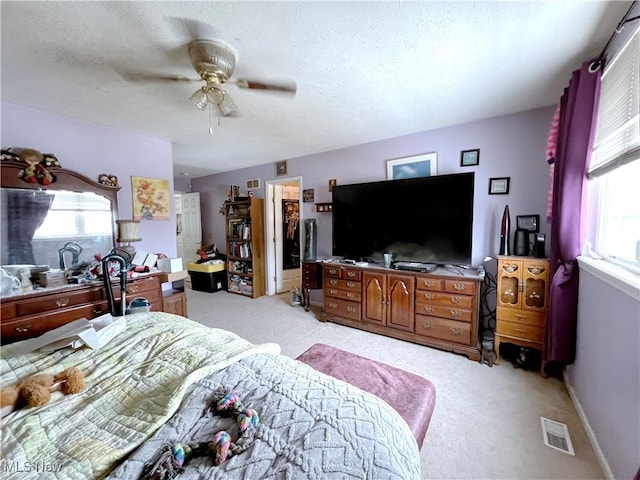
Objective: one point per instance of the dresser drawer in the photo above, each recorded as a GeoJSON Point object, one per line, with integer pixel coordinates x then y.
{"type": "Point", "coordinates": [35, 325]}
{"type": "Point", "coordinates": [443, 329]}
{"type": "Point", "coordinates": [345, 294]}
{"type": "Point", "coordinates": [342, 308]}
{"type": "Point", "coordinates": [7, 310]}
{"type": "Point", "coordinates": [524, 317]}
{"type": "Point", "coordinates": [351, 285]}
{"type": "Point", "coordinates": [140, 286]}
{"type": "Point", "coordinates": [428, 283]}
{"type": "Point", "coordinates": [334, 272]}
{"type": "Point", "coordinates": [454, 313]}
{"type": "Point", "coordinates": [57, 301]}
{"type": "Point", "coordinates": [519, 330]}
{"type": "Point", "coordinates": [460, 286]}
{"type": "Point", "coordinates": [447, 299]}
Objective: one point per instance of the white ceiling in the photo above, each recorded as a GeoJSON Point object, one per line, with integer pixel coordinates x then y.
{"type": "Point", "coordinates": [365, 71]}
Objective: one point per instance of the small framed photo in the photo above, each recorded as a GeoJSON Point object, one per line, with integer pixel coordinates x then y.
{"type": "Point", "coordinates": [530, 223]}
{"type": "Point", "coordinates": [307, 195]}
{"type": "Point", "coordinates": [332, 183]}
{"type": "Point", "coordinates": [499, 185]}
{"type": "Point", "coordinates": [470, 158]}
{"type": "Point", "coordinates": [281, 168]}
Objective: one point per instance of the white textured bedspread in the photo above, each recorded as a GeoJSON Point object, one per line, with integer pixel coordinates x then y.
{"type": "Point", "coordinates": [312, 427]}
{"type": "Point", "coordinates": [134, 385]}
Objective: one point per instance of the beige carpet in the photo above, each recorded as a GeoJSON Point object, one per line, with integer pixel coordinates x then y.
{"type": "Point", "coordinates": [486, 422]}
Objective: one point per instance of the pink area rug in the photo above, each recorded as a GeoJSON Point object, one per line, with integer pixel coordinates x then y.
{"type": "Point", "coordinates": [412, 396]}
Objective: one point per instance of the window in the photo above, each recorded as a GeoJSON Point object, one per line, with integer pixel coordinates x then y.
{"type": "Point", "coordinates": [614, 172]}
{"type": "Point", "coordinates": [73, 215]}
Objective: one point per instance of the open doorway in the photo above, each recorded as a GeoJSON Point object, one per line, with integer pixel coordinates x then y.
{"type": "Point", "coordinates": [284, 245]}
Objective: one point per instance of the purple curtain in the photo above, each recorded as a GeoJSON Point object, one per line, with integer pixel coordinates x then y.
{"type": "Point", "coordinates": [578, 110]}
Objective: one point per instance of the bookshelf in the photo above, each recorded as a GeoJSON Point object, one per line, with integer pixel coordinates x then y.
{"type": "Point", "coordinates": [245, 247]}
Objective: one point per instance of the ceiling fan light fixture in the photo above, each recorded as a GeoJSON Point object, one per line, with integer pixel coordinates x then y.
{"type": "Point", "coordinates": [199, 99]}
{"type": "Point", "coordinates": [227, 105]}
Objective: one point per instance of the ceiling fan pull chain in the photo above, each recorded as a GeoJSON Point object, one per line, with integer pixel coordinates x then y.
{"type": "Point", "coordinates": [210, 114]}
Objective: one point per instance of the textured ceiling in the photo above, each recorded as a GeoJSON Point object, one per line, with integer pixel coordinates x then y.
{"type": "Point", "coordinates": [365, 71]}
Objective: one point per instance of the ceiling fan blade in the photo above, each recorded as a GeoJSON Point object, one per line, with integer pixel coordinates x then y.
{"type": "Point", "coordinates": [280, 87]}
{"type": "Point", "coordinates": [154, 77]}
{"type": "Point", "coordinates": [190, 28]}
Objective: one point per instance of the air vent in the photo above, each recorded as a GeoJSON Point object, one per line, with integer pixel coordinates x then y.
{"type": "Point", "coordinates": [253, 184]}
{"type": "Point", "coordinates": [556, 435]}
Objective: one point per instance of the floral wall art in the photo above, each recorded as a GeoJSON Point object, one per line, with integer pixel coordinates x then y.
{"type": "Point", "coordinates": [150, 198]}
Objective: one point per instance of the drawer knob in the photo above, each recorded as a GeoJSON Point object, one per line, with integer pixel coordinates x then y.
{"type": "Point", "coordinates": [427, 325]}
{"type": "Point", "coordinates": [351, 274]}
{"type": "Point", "coordinates": [23, 329]}
{"type": "Point", "coordinates": [333, 282]}
{"type": "Point", "coordinates": [351, 284]}
{"type": "Point", "coordinates": [333, 291]}
{"type": "Point", "coordinates": [133, 288]}
{"type": "Point", "coordinates": [428, 308]}
{"type": "Point", "coordinates": [349, 294]}
{"type": "Point", "coordinates": [429, 283]}
{"type": "Point", "coordinates": [333, 271]}
{"type": "Point", "coordinates": [456, 331]}
{"type": "Point", "coordinates": [456, 300]}
{"type": "Point", "coordinates": [333, 305]}
{"type": "Point", "coordinates": [458, 286]}
{"type": "Point", "coordinates": [456, 313]}
{"type": "Point", "coordinates": [62, 302]}
{"type": "Point", "coordinates": [351, 309]}
{"type": "Point", "coordinates": [429, 296]}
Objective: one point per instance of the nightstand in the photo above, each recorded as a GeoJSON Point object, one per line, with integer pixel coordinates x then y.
{"type": "Point", "coordinates": [311, 279]}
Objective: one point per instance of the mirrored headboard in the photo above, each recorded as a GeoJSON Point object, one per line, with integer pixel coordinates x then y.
{"type": "Point", "coordinates": [73, 218]}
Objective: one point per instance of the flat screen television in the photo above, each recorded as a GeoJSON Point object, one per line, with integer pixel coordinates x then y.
{"type": "Point", "coordinates": [426, 219]}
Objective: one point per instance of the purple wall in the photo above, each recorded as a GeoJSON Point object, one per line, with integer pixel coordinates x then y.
{"type": "Point", "coordinates": [510, 146]}
{"type": "Point", "coordinates": [91, 149]}
{"type": "Point", "coordinates": [605, 377]}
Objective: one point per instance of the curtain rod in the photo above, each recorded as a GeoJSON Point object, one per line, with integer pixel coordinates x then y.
{"type": "Point", "coordinates": [599, 63]}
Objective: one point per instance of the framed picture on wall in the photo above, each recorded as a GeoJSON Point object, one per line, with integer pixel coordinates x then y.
{"type": "Point", "coordinates": [281, 168]}
{"type": "Point", "coordinates": [470, 158]}
{"type": "Point", "coordinates": [308, 195]}
{"type": "Point", "coordinates": [499, 185]}
{"type": "Point", "coordinates": [424, 165]}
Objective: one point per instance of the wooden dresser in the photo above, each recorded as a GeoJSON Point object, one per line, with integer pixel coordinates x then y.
{"type": "Point", "coordinates": [31, 314]}
{"type": "Point", "coordinates": [437, 309]}
{"type": "Point", "coordinates": [523, 296]}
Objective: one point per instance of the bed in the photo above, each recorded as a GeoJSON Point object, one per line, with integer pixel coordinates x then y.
{"type": "Point", "coordinates": [150, 387]}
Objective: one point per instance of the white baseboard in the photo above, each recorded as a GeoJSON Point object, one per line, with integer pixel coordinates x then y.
{"type": "Point", "coordinates": [590, 434]}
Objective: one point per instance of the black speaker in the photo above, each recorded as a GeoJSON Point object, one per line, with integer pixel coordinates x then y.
{"type": "Point", "coordinates": [310, 239]}
{"type": "Point", "coordinates": [520, 242]}
{"type": "Point", "coordinates": [539, 246]}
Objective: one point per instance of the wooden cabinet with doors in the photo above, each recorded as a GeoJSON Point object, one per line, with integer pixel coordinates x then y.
{"type": "Point", "coordinates": [388, 299]}
{"type": "Point", "coordinates": [245, 247]}
{"type": "Point", "coordinates": [522, 298]}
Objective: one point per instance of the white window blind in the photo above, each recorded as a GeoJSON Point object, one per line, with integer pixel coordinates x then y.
{"type": "Point", "coordinates": [617, 139]}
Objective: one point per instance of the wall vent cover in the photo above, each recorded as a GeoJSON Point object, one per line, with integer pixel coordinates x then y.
{"type": "Point", "coordinates": [556, 435]}
{"type": "Point", "coordinates": [253, 184]}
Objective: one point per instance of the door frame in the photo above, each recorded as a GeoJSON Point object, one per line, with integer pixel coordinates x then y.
{"type": "Point", "coordinates": [269, 194]}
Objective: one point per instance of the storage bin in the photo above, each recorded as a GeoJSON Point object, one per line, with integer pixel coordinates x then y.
{"type": "Point", "coordinates": [208, 282]}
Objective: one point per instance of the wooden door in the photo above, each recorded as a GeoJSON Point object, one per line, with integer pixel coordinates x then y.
{"type": "Point", "coordinates": [400, 307]}
{"type": "Point", "coordinates": [191, 227]}
{"type": "Point", "coordinates": [375, 297]}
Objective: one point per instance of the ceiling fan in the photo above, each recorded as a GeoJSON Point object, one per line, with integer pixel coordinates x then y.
{"type": "Point", "coordinates": [215, 62]}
